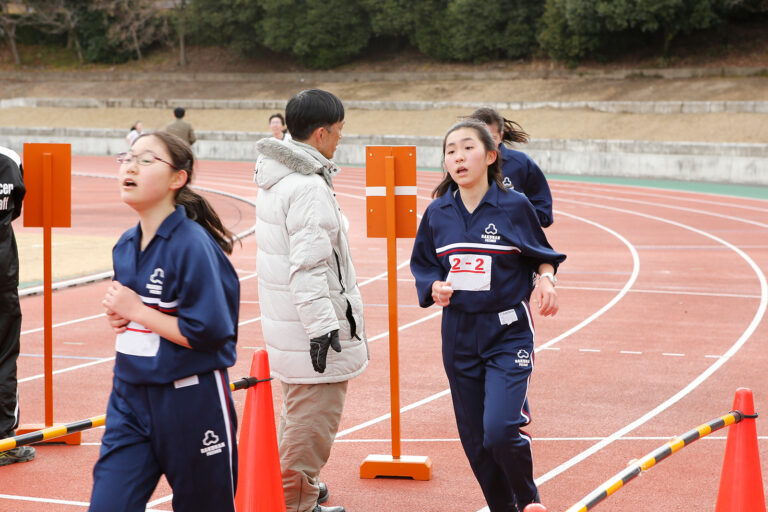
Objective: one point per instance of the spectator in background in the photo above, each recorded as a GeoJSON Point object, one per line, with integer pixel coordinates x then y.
{"type": "Point", "coordinates": [519, 171]}
{"type": "Point", "coordinates": [181, 128]}
{"type": "Point", "coordinates": [277, 127]}
{"type": "Point", "coordinates": [12, 193]}
{"type": "Point", "coordinates": [134, 133]}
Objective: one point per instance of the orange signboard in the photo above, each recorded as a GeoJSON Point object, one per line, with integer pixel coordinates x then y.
{"type": "Point", "coordinates": [48, 177]}
{"type": "Point", "coordinates": [404, 188]}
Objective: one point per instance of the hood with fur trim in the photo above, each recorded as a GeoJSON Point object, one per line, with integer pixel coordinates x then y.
{"type": "Point", "coordinates": [290, 156]}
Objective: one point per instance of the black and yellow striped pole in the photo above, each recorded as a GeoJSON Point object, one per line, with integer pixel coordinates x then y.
{"type": "Point", "coordinates": [616, 482]}
{"type": "Point", "coordinates": [49, 433]}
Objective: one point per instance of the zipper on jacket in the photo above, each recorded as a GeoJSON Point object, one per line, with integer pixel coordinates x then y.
{"type": "Point", "coordinates": [338, 268]}
{"type": "Point", "coordinates": [348, 312]}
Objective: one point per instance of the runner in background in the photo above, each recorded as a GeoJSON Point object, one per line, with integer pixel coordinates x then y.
{"type": "Point", "coordinates": [174, 306]}
{"type": "Point", "coordinates": [480, 253]}
{"type": "Point", "coordinates": [519, 170]}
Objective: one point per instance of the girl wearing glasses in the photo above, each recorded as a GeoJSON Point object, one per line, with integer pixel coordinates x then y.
{"type": "Point", "coordinates": [174, 307]}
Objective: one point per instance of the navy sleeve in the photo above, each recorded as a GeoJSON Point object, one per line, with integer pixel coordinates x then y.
{"type": "Point", "coordinates": [533, 244]}
{"type": "Point", "coordinates": [425, 267]}
{"type": "Point", "coordinates": [208, 297]}
{"type": "Point", "coordinates": [538, 193]}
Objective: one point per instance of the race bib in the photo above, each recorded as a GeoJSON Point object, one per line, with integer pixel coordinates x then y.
{"type": "Point", "coordinates": [137, 340]}
{"type": "Point", "coordinates": [470, 272]}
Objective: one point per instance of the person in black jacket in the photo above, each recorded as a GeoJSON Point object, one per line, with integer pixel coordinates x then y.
{"type": "Point", "coordinates": [11, 195]}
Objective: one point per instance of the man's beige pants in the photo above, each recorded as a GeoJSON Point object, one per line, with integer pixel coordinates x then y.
{"type": "Point", "coordinates": [309, 420]}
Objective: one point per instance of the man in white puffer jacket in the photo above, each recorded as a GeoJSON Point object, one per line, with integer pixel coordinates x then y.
{"type": "Point", "coordinates": [308, 291]}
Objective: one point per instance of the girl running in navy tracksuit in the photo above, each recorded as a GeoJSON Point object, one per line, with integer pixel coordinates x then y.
{"type": "Point", "coordinates": [480, 253]}
{"type": "Point", "coordinates": [519, 171]}
{"type": "Point", "coordinates": [174, 306]}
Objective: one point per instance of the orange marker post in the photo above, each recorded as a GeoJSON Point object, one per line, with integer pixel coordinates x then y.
{"type": "Point", "coordinates": [48, 204]}
{"type": "Point", "coordinates": [391, 213]}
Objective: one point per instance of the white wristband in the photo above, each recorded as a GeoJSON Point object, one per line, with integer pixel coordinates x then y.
{"type": "Point", "coordinates": [550, 276]}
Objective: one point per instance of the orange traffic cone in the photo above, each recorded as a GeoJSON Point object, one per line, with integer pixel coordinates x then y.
{"type": "Point", "coordinates": [741, 482]}
{"type": "Point", "coordinates": [259, 482]}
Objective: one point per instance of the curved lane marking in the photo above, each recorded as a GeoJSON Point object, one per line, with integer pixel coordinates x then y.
{"type": "Point", "coordinates": [759, 314]}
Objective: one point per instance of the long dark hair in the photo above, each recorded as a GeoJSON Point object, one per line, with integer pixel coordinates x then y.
{"type": "Point", "coordinates": [510, 130]}
{"type": "Point", "coordinates": [494, 169]}
{"type": "Point", "coordinates": [198, 209]}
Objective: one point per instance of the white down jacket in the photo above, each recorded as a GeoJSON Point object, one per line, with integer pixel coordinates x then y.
{"type": "Point", "coordinates": [307, 284]}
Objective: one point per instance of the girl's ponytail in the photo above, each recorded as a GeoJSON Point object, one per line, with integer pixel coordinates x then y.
{"type": "Point", "coordinates": [201, 211]}
{"type": "Point", "coordinates": [510, 131]}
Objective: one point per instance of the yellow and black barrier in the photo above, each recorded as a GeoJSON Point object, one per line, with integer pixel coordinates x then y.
{"type": "Point", "coordinates": [47, 434]}
{"type": "Point", "coordinates": [638, 466]}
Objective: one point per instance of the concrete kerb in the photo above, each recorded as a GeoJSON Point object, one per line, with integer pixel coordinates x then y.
{"type": "Point", "coordinates": [629, 107]}
{"type": "Point", "coordinates": [737, 163]}
{"type": "Point", "coordinates": [385, 76]}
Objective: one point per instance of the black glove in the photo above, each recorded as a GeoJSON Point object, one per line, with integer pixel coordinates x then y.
{"type": "Point", "coordinates": [318, 349]}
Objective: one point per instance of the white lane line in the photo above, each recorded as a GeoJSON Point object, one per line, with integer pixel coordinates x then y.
{"type": "Point", "coordinates": [669, 206]}
{"type": "Point", "coordinates": [62, 324]}
{"type": "Point", "coordinates": [69, 369]}
{"type": "Point", "coordinates": [624, 290]}
{"type": "Point", "coordinates": [672, 354]}
{"type": "Point", "coordinates": [44, 500]}
{"type": "Point", "coordinates": [589, 350]}
{"type": "Point", "coordinates": [406, 326]}
{"type": "Point", "coordinates": [246, 322]}
{"type": "Point", "coordinates": [662, 292]}
{"type": "Point", "coordinates": [545, 346]}
{"type": "Point", "coordinates": [538, 439]}
{"type": "Point", "coordinates": [389, 415]}
{"type": "Point", "coordinates": [753, 325]}
{"type": "Point", "coordinates": [159, 501]}
{"type": "Point", "coordinates": [654, 193]}
{"type": "Point", "coordinates": [629, 352]}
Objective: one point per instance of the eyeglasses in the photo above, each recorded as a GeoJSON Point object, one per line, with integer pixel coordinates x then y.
{"type": "Point", "coordinates": [143, 159]}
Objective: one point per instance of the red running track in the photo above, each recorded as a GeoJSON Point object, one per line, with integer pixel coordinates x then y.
{"type": "Point", "coordinates": [663, 302]}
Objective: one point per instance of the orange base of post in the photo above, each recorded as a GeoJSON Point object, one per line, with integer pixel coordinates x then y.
{"type": "Point", "coordinates": [73, 438]}
{"type": "Point", "coordinates": [417, 467]}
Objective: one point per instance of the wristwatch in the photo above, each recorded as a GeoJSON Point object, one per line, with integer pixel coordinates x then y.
{"type": "Point", "coordinates": [550, 276]}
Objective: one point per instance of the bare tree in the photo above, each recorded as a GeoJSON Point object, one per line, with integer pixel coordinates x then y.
{"type": "Point", "coordinates": [12, 14]}
{"type": "Point", "coordinates": [60, 16]}
{"type": "Point", "coordinates": [181, 18]}
{"type": "Point", "coordinates": [135, 22]}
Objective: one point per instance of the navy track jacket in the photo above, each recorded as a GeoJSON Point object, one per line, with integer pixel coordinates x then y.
{"type": "Point", "coordinates": [521, 173]}
{"type": "Point", "coordinates": [491, 262]}
{"type": "Point", "coordinates": [182, 272]}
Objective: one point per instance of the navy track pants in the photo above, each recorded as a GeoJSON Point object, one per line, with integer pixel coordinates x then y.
{"type": "Point", "coordinates": [489, 364]}
{"type": "Point", "coordinates": [185, 431]}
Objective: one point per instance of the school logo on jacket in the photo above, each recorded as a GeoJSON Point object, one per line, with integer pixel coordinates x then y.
{"type": "Point", "coordinates": [155, 284]}
{"type": "Point", "coordinates": [211, 444]}
{"type": "Point", "coordinates": [507, 183]}
{"type": "Point", "coordinates": [523, 358]}
{"type": "Point", "coordinates": [490, 234]}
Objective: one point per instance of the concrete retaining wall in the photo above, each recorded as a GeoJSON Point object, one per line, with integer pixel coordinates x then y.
{"type": "Point", "coordinates": [383, 76]}
{"type": "Point", "coordinates": [622, 107]}
{"type": "Point", "coordinates": [688, 161]}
